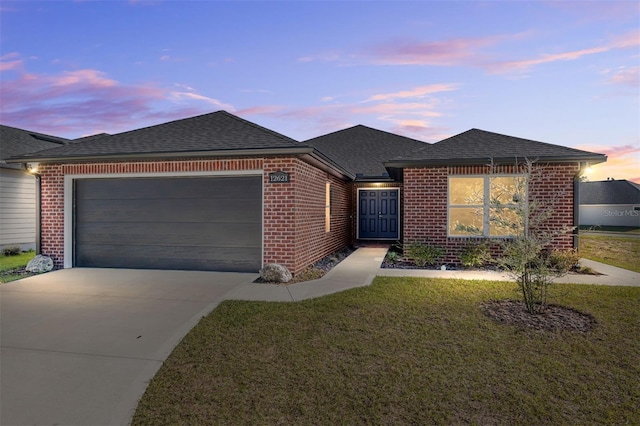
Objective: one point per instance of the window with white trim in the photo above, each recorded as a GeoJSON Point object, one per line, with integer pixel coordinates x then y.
{"type": "Point", "coordinates": [486, 206]}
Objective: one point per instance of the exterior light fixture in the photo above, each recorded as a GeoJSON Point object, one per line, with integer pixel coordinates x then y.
{"type": "Point", "coordinates": [32, 168]}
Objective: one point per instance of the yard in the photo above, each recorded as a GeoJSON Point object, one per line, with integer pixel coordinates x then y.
{"type": "Point", "coordinates": [402, 351]}
{"type": "Point", "coordinates": [10, 266]}
{"type": "Point", "coordinates": [620, 251]}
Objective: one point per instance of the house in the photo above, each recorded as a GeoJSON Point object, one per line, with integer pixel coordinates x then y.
{"type": "Point", "coordinates": [18, 188]}
{"type": "Point", "coordinates": [610, 203]}
{"type": "Point", "coordinates": [216, 192]}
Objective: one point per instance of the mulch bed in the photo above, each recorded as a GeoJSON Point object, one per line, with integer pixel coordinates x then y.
{"type": "Point", "coordinates": [318, 269]}
{"type": "Point", "coordinates": [554, 317]}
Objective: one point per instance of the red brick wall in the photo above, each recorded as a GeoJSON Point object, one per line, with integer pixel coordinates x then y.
{"type": "Point", "coordinates": [52, 212]}
{"type": "Point", "coordinates": [294, 224]}
{"type": "Point", "coordinates": [295, 215]}
{"type": "Point", "coordinates": [425, 203]}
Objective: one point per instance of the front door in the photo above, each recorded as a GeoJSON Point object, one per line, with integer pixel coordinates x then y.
{"type": "Point", "coordinates": [378, 211]}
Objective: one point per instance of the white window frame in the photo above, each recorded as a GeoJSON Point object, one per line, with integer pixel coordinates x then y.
{"type": "Point", "coordinates": [485, 206]}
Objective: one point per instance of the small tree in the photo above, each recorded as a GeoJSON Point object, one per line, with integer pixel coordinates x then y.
{"type": "Point", "coordinates": [526, 254]}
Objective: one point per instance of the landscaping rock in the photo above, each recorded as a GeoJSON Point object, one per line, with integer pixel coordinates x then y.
{"type": "Point", "coordinates": [275, 273]}
{"type": "Point", "coordinates": [40, 264]}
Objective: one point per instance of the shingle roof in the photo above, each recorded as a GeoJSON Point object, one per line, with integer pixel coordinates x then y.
{"type": "Point", "coordinates": [14, 141]}
{"type": "Point", "coordinates": [477, 145]}
{"type": "Point", "coordinates": [363, 150]}
{"type": "Point", "coordinates": [609, 192]}
{"type": "Point", "coordinates": [217, 131]}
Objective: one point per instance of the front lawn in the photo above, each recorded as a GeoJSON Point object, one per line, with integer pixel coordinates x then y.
{"type": "Point", "coordinates": [11, 266]}
{"type": "Point", "coordinates": [402, 351]}
{"type": "Point", "coordinates": [622, 252]}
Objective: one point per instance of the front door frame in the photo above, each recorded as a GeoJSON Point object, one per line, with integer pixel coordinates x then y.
{"type": "Point", "coordinates": [358, 213]}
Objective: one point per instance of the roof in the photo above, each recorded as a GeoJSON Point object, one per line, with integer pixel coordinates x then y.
{"type": "Point", "coordinates": [14, 141]}
{"type": "Point", "coordinates": [477, 146]}
{"type": "Point", "coordinates": [363, 150]}
{"type": "Point", "coordinates": [609, 192]}
{"type": "Point", "coordinates": [208, 133]}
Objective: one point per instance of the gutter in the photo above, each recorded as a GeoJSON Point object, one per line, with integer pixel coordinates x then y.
{"type": "Point", "coordinates": [165, 155]}
{"type": "Point", "coordinates": [596, 159]}
{"type": "Point", "coordinates": [307, 153]}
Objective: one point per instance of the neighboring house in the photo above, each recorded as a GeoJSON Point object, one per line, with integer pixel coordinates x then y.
{"type": "Point", "coordinates": [610, 203]}
{"type": "Point", "coordinates": [216, 192]}
{"type": "Point", "coordinates": [18, 187]}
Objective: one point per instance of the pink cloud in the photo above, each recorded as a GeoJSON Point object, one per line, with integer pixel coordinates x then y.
{"type": "Point", "coordinates": [73, 103]}
{"type": "Point", "coordinates": [622, 161]}
{"type": "Point", "coordinates": [458, 51]}
{"type": "Point", "coordinates": [628, 40]}
{"type": "Point", "coordinates": [10, 61]}
{"type": "Point", "coordinates": [626, 77]}
{"type": "Point", "coordinates": [416, 92]}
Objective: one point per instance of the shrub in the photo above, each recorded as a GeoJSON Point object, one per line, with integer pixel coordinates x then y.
{"type": "Point", "coordinates": [393, 256]}
{"type": "Point", "coordinates": [563, 261]}
{"type": "Point", "coordinates": [423, 254]}
{"type": "Point", "coordinates": [475, 255]}
{"type": "Point", "coordinates": [11, 250]}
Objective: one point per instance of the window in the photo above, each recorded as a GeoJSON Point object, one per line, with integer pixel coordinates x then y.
{"type": "Point", "coordinates": [327, 207]}
{"type": "Point", "coordinates": [486, 206]}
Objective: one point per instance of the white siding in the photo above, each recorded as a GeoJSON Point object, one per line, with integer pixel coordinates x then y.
{"type": "Point", "coordinates": [17, 209]}
{"type": "Point", "coordinates": [610, 215]}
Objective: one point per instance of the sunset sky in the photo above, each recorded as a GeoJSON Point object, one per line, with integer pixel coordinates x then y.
{"type": "Point", "coordinates": [564, 72]}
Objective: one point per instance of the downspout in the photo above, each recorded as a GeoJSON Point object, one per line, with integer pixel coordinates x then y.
{"type": "Point", "coordinates": [576, 204]}
{"type": "Point", "coordinates": [38, 214]}
{"type": "Point", "coordinates": [32, 169]}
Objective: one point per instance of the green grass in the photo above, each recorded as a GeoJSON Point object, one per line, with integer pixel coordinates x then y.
{"type": "Point", "coordinates": [402, 351]}
{"type": "Point", "coordinates": [618, 229]}
{"type": "Point", "coordinates": [622, 252]}
{"type": "Point", "coordinates": [8, 265]}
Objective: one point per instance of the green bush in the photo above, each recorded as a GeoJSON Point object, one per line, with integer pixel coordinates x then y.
{"type": "Point", "coordinates": [562, 261]}
{"type": "Point", "coordinates": [475, 254]}
{"type": "Point", "coordinates": [423, 254]}
{"type": "Point", "coordinates": [393, 256]}
{"type": "Point", "coordinates": [11, 250]}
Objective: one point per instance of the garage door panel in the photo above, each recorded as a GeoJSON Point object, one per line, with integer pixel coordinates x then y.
{"type": "Point", "coordinates": [164, 210]}
{"type": "Point", "coordinates": [170, 188]}
{"type": "Point", "coordinates": [155, 257]}
{"type": "Point", "coordinates": [203, 223]}
{"type": "Point", "coordinates": [179, 234]}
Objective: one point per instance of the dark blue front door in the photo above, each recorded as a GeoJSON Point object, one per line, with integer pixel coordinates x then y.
{"type": "Point", "coordinates": [378, 213]}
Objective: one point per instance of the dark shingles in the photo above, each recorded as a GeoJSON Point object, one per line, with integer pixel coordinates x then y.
{"type": "Point", "coordinates": [14, 141]}
{"type": "Point", "coordinates": [363, 150]}
{"type": "Point", "coordinates": [609, 192]}
{"type": "Point", "coordinates": [481, 145]}
{"type": "Point", "coordinates": [209, 132]}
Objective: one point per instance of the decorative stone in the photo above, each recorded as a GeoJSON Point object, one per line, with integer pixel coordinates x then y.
{"type": "Point", "coordinates": [40, 264]}
{"type": "Point", "coordinates": [275, 273]}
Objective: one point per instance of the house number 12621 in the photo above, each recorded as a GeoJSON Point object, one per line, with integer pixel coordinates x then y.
{"type": "Point", "coordinates": [278, 177]}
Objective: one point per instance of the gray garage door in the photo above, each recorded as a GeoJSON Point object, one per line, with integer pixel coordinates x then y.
{"type": "Point", "coordinates": [198, 223]}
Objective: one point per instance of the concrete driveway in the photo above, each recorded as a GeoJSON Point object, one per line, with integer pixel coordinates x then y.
{"type": "Point", "coordinates": [79, 346]}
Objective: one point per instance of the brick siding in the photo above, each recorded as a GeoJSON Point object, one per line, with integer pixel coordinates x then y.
{"type": "Point", "coordinates": [295, 215]}
{"type": "Point", "coordinates": [425, 203]}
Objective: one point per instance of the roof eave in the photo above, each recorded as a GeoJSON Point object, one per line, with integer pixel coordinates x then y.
{"type": "Point", "coordinates": [402, 164]}
{"type": "Point", "coordinates": [295, 150]}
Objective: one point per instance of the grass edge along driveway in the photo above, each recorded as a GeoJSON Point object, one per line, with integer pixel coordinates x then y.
{"type": "Point", "coordinates": [402, 351]}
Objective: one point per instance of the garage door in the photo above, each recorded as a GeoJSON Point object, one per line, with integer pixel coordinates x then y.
{"type": "Point", "coordinates": [197, 223]}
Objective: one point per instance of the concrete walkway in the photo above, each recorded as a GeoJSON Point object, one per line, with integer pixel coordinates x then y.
{"type": "Point", "coordinates": [363, 266]}
{"type": "Point", "coordinates": [357, 270]}
{"type": "Point", "coordinates": [610, 275]}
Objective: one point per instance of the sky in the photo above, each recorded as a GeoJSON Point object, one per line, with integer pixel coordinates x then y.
{"type": "Point", "coordinates": [565, 72]}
